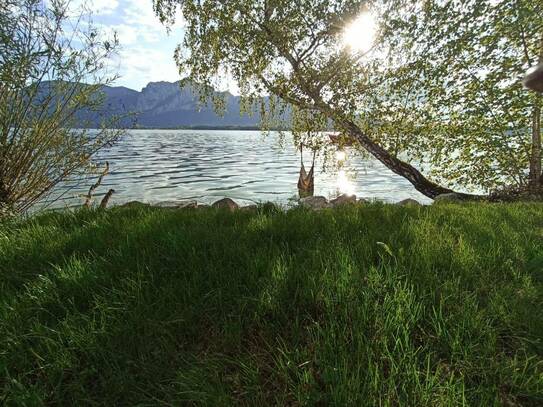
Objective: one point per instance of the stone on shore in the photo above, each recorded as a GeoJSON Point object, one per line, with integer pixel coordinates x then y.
{"type": "Point", "coordinates": [249, 208]}
{"type": "Point", "coordinates": [314, 202]}
{"type": "Point", "coordinates": [166, 204]}
{"type": "Point", "coordinates": [343, 199]}
{"type": "Point", "coordinates": [132, 204]}
{"type": "Point", "coordinates": [448, 198]}
{"type": "Point", "coordinates": [189, 205]}
{"type": "Point", "coordinates": [226, 203]}
{"type": "Point", "coordinates": [177, 204]}
{"type": "Point", "coordinates": [409, 202]}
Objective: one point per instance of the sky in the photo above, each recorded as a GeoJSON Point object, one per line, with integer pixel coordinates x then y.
{"type": "Point", "coordinates": [146, 48]}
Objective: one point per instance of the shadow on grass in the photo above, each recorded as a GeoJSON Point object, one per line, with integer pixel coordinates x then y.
{"type": "Point", "coordinates": [156, 306]}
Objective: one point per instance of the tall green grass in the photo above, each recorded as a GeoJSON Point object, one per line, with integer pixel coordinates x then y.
{"type": "Point", "coordinates": [374, 305]}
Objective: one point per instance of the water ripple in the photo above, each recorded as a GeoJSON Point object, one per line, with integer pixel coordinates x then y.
{"type": "Point", "coordinates": [169, 165]}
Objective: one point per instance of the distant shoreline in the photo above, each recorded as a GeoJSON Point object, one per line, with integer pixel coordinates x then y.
{"type": "Point", "coordinates": [238, 128]}
{"type": "Point", "coordinates": [247, 128]}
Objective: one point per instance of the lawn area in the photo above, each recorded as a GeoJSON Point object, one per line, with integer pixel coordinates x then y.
{"type": "Point", "coordinates": [360, 306]}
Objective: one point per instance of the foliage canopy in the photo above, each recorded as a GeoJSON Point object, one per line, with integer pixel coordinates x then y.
{"type": "Point", "coordinates": [453, 96]}
{"type": "Point", "coordinates": [441, 86]}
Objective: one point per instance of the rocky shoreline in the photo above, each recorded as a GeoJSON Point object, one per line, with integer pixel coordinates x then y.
{"type": "Point", "coordinates": [312, 202]}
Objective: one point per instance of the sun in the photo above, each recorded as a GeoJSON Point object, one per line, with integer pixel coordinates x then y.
{"type": "Point", "coordinates": [359, 35]}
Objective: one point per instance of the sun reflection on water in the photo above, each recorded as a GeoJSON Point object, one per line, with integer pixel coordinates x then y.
{"type": "Point", "coordinates": [341, 156]}
{"type": "Point", "coordinates": [344, 184]}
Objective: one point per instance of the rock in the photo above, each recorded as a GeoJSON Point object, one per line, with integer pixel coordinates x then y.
{"type": "Point", "coordinates": [134, 204]}
{"type": "Point", "coordinates": [177, 204]}
{"type": "Point", "coordinates": [226, 203]}
{"type": "Point", "coordinates": [188, 205]}
{"type": "Point", "coordinates": [343, 199]}
{"type": "Point", "coordinates": [203, 206]}
{"type": "Point", "coordinates": [409, 202]}
{"type": "Point", "coordinates": [165, 204]}
{"type": "Point", "coordinates": [314, 202]}
{"type": "Point", "coordinates": [452, 197]}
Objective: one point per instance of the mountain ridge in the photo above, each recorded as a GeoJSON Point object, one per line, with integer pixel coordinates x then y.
{"type": "Point", "coordinates": [165, 105]}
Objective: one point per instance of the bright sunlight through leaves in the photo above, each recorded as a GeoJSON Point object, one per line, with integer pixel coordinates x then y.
{"type": "Point", "coordinates": [359, 35]}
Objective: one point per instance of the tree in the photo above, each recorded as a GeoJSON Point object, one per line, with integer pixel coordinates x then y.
{"type": "Point", "coordinates": [288, 49]}
{"type": "Point", "coordinates": [442, 86]}
{"type": "Point", "coordinates": [52, 67]}
{"type": "Point", "coordinates": [454, 89]}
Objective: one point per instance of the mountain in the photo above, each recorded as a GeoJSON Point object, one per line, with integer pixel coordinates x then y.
{"type": "Point", "coordinates": [168, 105]}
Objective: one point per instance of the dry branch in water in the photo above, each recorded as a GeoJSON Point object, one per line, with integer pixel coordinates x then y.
{"type": "Point", "coordinates": [105, 201]}
{"type": "Point", "coordinates": [88, 197]}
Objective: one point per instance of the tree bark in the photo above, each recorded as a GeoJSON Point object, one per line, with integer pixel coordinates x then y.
{"type": "Point", "coordinates": [414, 176]}
{"type": "Point", "coordinates": [535, 157]}
{"type": "Point", "coordinates": [535, 177]}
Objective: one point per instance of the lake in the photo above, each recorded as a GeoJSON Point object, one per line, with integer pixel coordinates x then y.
{"type": "Point", "coordinates": [172, 165]}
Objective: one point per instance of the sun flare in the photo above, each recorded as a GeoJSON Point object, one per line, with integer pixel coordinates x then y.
{"type": "Point", "coordinates": [341, 156]}
{"type": "Point", "coordinates": [359, 35]}
{"type": "Point", "coordinates": [344, 184]}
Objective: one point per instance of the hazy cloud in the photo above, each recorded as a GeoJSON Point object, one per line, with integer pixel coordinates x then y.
{"type": "Point", "coordinates": [146, 53]}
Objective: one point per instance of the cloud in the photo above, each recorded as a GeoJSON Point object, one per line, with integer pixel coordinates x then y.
{"type": "Point", "coordinates": [96, 7]}
{"type": "Point", "coordinates": [146, 46]}
{"type": "Point", "coordinates": [141, 12]}
{"type": "Point", "coordinates": [104, 7]}
{"type": "Point", "coordinates": [139, 66]}
{"type": "Point", "coordinates": [126, 34]}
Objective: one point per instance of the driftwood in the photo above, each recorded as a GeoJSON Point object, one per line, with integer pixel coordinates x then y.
{"type": "Point", "coordinates": [105, 200]}
{"type": "Point", "coordinates": [88, 197]}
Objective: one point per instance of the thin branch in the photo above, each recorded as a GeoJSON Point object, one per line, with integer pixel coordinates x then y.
{"type": "Point", "coordinates": [96, 185]}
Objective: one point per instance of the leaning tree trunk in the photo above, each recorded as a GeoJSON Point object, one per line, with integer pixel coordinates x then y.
{"type": "Point", "coordinates": [535, 157]}
{"type": "Point", "coordinates": [414, 176]}
{"type": "Point", "coordinates": [535, 177]}
{"type": "Point", "coordinates": [399, 167]}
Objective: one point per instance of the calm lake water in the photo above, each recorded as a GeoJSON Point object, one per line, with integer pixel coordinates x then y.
{"type": "Point", "coordinates": [174, 165]}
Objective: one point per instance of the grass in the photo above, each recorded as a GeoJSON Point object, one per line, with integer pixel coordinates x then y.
{"type": "Point", "coordinates": [376, 305]}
